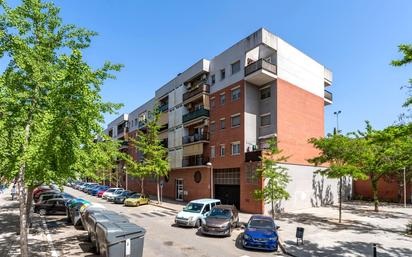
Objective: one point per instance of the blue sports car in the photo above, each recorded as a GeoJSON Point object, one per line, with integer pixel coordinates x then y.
{"type": "Point", "coordinates": [261, 233]}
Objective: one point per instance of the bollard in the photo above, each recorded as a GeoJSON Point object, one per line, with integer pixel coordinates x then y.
{"type": "Point", "coordinates": [374, 249]}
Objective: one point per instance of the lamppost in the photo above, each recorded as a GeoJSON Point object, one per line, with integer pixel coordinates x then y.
{"type": "Point", "coordinates": [209, 164]}
{"type": "Point", "coordinates": [337, 120]}
{"type": "Point", "coordinates": [125, 172]}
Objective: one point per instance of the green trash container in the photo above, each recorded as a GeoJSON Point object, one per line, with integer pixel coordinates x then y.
{"type": "Point", "coordinates": [120, 239]}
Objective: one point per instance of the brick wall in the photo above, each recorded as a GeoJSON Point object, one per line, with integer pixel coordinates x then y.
{"type": "Point", "coordinates": [387, 190]}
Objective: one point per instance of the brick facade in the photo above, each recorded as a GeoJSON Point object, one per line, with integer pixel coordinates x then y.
{"type": "Point", "coordinates": [390, 191]}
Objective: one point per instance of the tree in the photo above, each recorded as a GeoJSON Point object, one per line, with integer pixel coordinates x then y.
{"type": "Point", "coordinates": [49, 100]}
{"type": "Point", "coordinates": [154, 155]}
{"type": "Point", "coordinates": [382, 152]}
{"type": "Point", "coordinates": [275, 177]}
{"type": "Point", "coordinates": [406, 50]}
{"type": "Point", "coordinates": [339, 153]}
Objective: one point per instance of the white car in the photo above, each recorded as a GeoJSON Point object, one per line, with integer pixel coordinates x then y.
{"type": "Point", "coordinates": [110, 191]}
{"type": "Point", "coordinates": [195, 212]}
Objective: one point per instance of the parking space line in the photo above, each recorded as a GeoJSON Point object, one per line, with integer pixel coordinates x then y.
{"type": "Point", "coordinates": [137, 215]}
{"type": "Point", "coordinates": [147, 214]}
{"type": "Point", "coordinates": [158, 214]}
{"type": "Point", "coordinates": [169, 213]}
{"type": "Point", "coordinates": [54, 253]}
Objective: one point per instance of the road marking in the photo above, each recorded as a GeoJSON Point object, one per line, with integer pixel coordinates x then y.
{"type": "Point", "coordinates": [137, 215]}
{"type": "Point", "coordinates": [54, 253]}
{"type": "Point", "coordinates": [158, 214]}
{"type": "Point", "coordinates": [147, 214]}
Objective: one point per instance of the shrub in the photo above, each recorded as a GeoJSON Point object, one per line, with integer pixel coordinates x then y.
{"type": "Point", "coordinates": [409, 228]}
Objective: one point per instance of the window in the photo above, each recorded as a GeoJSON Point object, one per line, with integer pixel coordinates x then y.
{"type": "Point", "coordinates": [212, 102]}
{"type": "Point", "coordinates": [265, 93]}
{"type": "Point", "coordinates": [236, 148]}
{"type": "Point", "coordinates": [222, 99]}
{"type": "Point", "coordinates": [222, 123]}
{"type": "Point", "coordinates": [235, 67]}
{"type": "Point", "coordinates": [222, 74]}
{"type": "Point", "coordinates": [235, 120]}
{"type": "Point", "coordinates": [222, 150]}
{"type": "Point", "coordinates": [213, 79]}
{"type": "Point", "coordinates": [212, 126]}
{"type": "Point", "coordinates": [236, 94]}
{"type": "Point", "coordinates": [212, 152]}
{"type": "Point", "coordinates": [206, 209]}
{"type": "Point", "coordinates": [265, 120]}
{"type": "Point", "coordinates": [135, 122]}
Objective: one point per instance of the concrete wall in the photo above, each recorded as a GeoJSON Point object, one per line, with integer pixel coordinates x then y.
{"type": "Point", "coordinates": [251, 115]}
{"type": "Point", "coordinates": [308, 189]}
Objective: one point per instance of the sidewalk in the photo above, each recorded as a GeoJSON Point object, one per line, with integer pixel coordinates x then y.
{"type": "Point", "coordinates": [9, 226]}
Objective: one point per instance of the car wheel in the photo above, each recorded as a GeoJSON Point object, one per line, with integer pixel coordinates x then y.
{"type": "Point", "coordinates": [137, 204]}
{"type": "Point", "coordinates": [198, 223]}
{"type": "Point", "coordinates": [42, 212]}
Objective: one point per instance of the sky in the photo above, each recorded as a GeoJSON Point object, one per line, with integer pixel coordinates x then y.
{"type": "Point", "coordinates": [156, 40]}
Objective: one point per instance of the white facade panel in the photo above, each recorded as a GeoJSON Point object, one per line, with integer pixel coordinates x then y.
{"type": "Point", "coordinates": [171, 139]}
{"type": "Point", "coordinates": [172, 158]}
{"type": "Point", "coordinates": [178, 115]}
{"type": "Point", "coordinates": [178, 158]}
{"type": "Point", "coordinates": [179, 95]}
{"type": "Point", "coordinates": [178, 137]}
{"type": "Point", "coordinates": [299, 69]}
{"type": "Point", "coordinates": [308, 189]}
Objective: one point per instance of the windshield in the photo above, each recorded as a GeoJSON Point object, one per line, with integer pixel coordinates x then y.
{"type": "Point", "coordinates": [135, 196]}
{"type": "Point", "coordinates": [193, 207]}
{"type": "Point", "coordinates": [111, 190]}
{"type": "Point", "coordinates": [220, 213]}
{"type": "Point", "coordinates": [125, 193]}
{"type": "Point", "coordinates": [266, 224]}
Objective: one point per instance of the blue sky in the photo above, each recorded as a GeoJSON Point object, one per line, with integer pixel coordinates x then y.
{"type": "Point", "coordinates": [155, 40]}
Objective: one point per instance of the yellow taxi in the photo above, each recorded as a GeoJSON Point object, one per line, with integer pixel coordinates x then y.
{"type": "Point", "coordinates": [137, 199]}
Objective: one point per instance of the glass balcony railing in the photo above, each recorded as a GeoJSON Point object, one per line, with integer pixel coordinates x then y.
{"type": "Point", "coordinates": [195, 138]}
{"type": "Point", "coordinates": [203, 88]}
{"type": "Point", "coordinates": [195, 114]}
{"type": "Point", "coordinates": [194, 160]}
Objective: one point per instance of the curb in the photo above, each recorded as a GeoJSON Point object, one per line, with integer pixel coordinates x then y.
{"type": "Point", "coordinates": [162, 206]}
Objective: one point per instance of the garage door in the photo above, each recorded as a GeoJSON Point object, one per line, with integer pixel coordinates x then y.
{"type": "Point", "coordinates": [227, 185]}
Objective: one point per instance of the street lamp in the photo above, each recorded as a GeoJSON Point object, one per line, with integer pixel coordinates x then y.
{"type": "Point", "coordinates": [125, 171]}
{"type": "Point", "coordinates": [337, 120]}
{"type": "Point", "coordinates": [209, 164]}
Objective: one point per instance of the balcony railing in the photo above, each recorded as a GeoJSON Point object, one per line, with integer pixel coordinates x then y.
{"type": "Point", "coordinates": [195, 138]}
{"type": "Point", "coordinates": [165, 143]}
{"type": "Point", "coordinates": [260, 64]}
{"type": "Point", "coordinates": [164, 107]}
{"type": "Point", "coordinates": [204, 88]}
{"type": "Point", "coordinates": [195, 114]}
{"type": "Point", "coordinates": [124, 144]}
{"type": "Point", "coordinates": [164, 127]}
{"type": "Point", "coordinates": [194, 160]}
{"type": "Point", "coordinates": [328, 95]}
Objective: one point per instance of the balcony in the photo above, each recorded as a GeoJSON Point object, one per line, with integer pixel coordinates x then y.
{"type": "Point", "coordinates": [254, 156]}
{"type": "Point", "coordinates": [164, 107]}
{"type": "Point", "coordinates": [260, 72]}
{"type": "Point", "coordinates": [328, 97]}
{"type": "Point", "coordinates": [202, 89]}
{"type": "Point", "coordinates": [194, 160]}
{"type": "Point", "coordinates": [163, 128]}
{"type": "Point", "coordinates": [195, 138]}
{"type": "Point", "coordinates": [202, 112]}
{"type": "Point", "coordinates": [124, 145]}
{"type": "Point", "coordinates": [165, 143]}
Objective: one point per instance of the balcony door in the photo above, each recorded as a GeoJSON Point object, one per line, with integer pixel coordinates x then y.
{"type": "Point", "coordinates": [179, 189]}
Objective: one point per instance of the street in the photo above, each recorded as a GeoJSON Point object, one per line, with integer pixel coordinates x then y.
{"type": "Point", "coordinates": [165, 239]}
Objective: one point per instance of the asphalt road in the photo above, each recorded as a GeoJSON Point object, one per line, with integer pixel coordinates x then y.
{"type": "Point", "coordinates": [165, 239]}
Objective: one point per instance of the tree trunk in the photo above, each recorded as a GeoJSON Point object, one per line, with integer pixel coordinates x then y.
{"type": "Point", "coordinates": [340, 200]}
{"type": "Point", "coordinates": [29, 201]}
{"type": "Point", "coordinates": [272, 200]}
{"type": "Point", "coordinates": [375, 194]}
{"type": "Point", "coordinates": [158, 190]}
{"type": "Point", "coordinates": [23, 212]}
{"type": "Point", "coordinates": [141, 185]}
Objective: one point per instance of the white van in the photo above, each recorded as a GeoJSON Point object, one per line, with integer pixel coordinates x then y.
{"type": "Point", "coordinates": [195, 212]}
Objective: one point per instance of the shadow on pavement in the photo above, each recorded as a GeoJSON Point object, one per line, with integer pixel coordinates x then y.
{"type": "Point", "coordinates": [343, 249]}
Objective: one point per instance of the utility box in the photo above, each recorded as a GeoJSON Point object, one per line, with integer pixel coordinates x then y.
{"type": "Point", "coordinates": [105, 216]}
{"type": "Point", "coordinates": [120, 239]}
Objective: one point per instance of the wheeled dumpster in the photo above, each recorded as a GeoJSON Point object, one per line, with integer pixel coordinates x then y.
{"type": "Point", "coordinates": [120, 239]}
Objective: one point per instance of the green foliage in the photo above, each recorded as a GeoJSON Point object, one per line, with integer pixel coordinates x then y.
{"type": "Point", "coordinates": [275, 176]}
{"type": "Point", "coordinates": [409, 228]}
{"type": "Point", "coordinates": [406, 50]}
{"type": "Point", "coordinates": [154, 155]}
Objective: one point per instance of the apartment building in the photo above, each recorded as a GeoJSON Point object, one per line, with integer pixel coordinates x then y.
{"type": "Point", "coordinates": [218, 114]}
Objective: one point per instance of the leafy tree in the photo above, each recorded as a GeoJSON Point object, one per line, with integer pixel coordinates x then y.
{"type": "Point", "coordinates": [154, 155]}
{"type": "Point", "coordinates": [339, 153]}
{"type": "Point", "coordinates": [381, 153]}
{"type": "Point", "coordinates": [275, 177]}
{"type": "Point", "coordinates": [406, 50]}
{"type": "Point", "coordinates": [50, 100]}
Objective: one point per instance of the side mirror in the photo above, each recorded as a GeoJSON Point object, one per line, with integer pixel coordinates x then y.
{"type": "Point", "coordinates": [277, 227]}
{"type": "Point", "coordinates": [242, 226]}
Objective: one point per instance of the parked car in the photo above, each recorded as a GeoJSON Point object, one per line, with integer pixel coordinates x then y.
{"type": "Point", "coordinates": [40, 189]}
{"type": "Point", "coordinates": [51, 206]}
{"type": "Point", "coordinates": [110, 191]}
{"type": "Point", "coordinates": [47, 196]}
{"type": "Point", "coordinates": [78, 185]}
{"type": "Point", "coordinates": [73, 211]}
{"type": "Point", "coordinates": [100, 193]}
{"type": "Point", "coordinates": [195, 212]}
{"type": "Point", "coordinates": [137, 200]}
{"type": "Point", "coordinates": [111, 197]}
{"type": "Point", "coordinates": [96, 190]}
{"type": "Point", "coordinates": [221, 220]}
{"type": "Point", "coordinates": [49, 191]}
{"type": "Point", "coordinates": [89, 189]}
{"type": "Point", "coordinates": [261, 233]}
{"type": "Point", "coordinates": [120, 198]}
